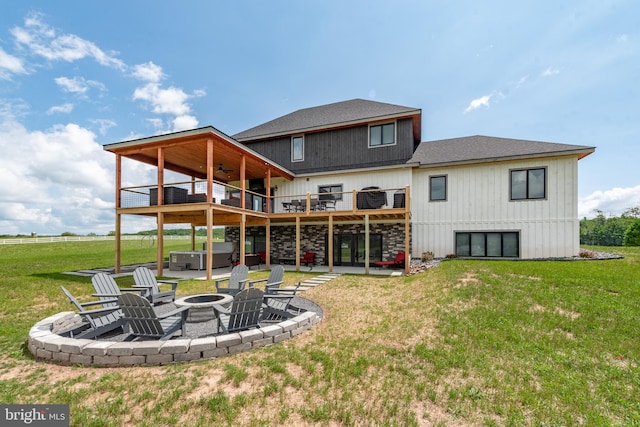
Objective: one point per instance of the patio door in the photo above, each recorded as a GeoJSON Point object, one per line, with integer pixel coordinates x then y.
{"type": "Point", "coordinates": [349, 249]}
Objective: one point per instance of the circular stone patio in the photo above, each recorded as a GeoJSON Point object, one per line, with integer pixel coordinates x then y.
{"type": "Point", "coordinates": [45, 344]}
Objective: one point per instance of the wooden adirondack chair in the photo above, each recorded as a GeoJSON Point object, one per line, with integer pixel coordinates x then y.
{"type": "Point", "coordinates": [99, 320]}
{"type": "Point", "coordinates": [108, 291]}
{"type": "Point", "coordinates": [144, 321]}
{"type": "Point", "coordinates": [244, 313]}
{"type": "Point", "coordinates": [273, 281]}
{"type": "Point", "coordinates": [277, 304]}
{"type": "Point", "coordinates": [235, 282]}
{"type": "Point", "coordinates": [144, 278]}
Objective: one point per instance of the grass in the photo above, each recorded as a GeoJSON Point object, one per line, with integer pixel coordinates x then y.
{"type": "Point", "coordinates": [532, 343]}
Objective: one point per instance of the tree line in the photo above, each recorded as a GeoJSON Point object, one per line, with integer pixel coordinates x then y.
{"type": "Point", "coordinates": [623, 230]}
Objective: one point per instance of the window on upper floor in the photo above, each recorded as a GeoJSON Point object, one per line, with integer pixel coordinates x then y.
{"type": "Point", "coordinates": [297, 148]}
{"type": "Point", "coordinates": [438, 188]}
{"type": "Point", "coordinates": [528, 184]}
{"type": "Point", "coordinates": [335, 190]}
{"type": "Point", "coordinates": [382, 135]}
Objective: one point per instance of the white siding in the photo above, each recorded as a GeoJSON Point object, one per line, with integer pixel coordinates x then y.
{"type": "Point", "coordinates": [478, 200]}
{"type": "Point", "coordinates": [386, 179]}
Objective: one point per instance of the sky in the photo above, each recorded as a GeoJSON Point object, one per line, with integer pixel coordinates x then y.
{"type": "Point", "coordinates": [75, 75]}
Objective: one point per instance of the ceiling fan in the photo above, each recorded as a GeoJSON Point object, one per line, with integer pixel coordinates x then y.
{"type": "Point", "coordinates": [221, 169]}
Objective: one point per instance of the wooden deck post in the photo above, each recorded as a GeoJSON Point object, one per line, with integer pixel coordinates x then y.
{"type": "Point", "coordinates": [366, 244]}
{"type": "Point", "coordinates": [407, 231]}
{"type": "Point", "coordinates": [209, 253]}
{"type": "Point", "coordinates": [118, 236]}
{"type": "Point", "coordinates": [243, 235]}
{"type": "Point", "coordinates": [160, 256]}
{"type": "Point", "coordinates": [297, 243]}
{"type": "Point", "coordinates": [330, 241]}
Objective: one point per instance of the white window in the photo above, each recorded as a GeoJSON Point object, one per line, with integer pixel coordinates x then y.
{"type": "Point", "coordinates": [297, 148]}
{"type": "Point", "coordinates": [381, 135]}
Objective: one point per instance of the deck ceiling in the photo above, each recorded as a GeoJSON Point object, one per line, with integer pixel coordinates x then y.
{"type": "Point", "coordinates": [188, 155]}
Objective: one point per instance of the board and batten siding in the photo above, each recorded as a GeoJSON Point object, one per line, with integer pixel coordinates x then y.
{"type": "Point", "coordinates": [339, 149]}
{"type": "Point", "coordinates": [478, 199]}
{"type": "Point", "coordinates": [385, 179]}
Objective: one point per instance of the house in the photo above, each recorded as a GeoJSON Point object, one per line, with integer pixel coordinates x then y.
{"type": "Point", "coordinates": [353, 183]}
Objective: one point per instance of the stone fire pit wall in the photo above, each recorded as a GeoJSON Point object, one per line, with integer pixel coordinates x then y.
{"type": "Point", "coordinates": [47, 345]}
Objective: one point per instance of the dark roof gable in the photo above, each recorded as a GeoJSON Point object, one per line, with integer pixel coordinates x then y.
{"type": "Point", "coordinates": [477, 149]}
{"type": "Point", "coordinates": [326, 116]}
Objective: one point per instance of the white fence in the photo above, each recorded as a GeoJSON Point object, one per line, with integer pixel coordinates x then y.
{"type": "Point", "coordinates": [55, 239]}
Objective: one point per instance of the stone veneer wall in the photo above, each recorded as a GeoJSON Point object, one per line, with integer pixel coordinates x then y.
{"type": "Point", "coordinates": [283, 238]}
{"type": "Point", "coordinates": [45, 344]}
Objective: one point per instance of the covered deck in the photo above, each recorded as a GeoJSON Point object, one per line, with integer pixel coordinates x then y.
{"type": "Point", "coordinates": [217, 192]}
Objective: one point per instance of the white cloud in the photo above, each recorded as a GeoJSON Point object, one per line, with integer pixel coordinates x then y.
{"type": "Point", "coordinates": [622, 38]}
{"type": "Point", "coordinates": [184, 122]}
{"type": "Point", "coordinates": [550, 72]}
{"type": "Point", "coordinates": [53, 181]}
{"type": "Point", "coordinates": [9, 65]}
{"type": "Point", "coordinates": [64, 108]}
{"type": "Point", "coordinates": [104, 125]}
{"type": "Point", "coordinates": [612, 202]}
{"type": "Point", "coordinates": [168, 101]}
{"type": "Point", "coordinates": [479, 102]}
{"type": "Point", "coordinates": [42, 40]}
{"type": "Point", "coordinates": [78, 85]}
{"type": "Point", "coordinates": [149, 72]}
{"type": "Point", "coordinates": [74, 85]}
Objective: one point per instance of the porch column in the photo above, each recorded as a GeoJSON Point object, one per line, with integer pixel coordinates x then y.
{"type": "Point", "coordinates": [209, 256]}
{"type": "Point", "coordinates": [268, 242]}
{"type": "Point", "coordinates": [243, 185]}
{"type": "Point", "coordinates": [160, 256]}
{"type": "Point", "coordinates": [160, 176]}
{"type": "Point", "coordinates": [407, 231]}
{"type": "Point", "coordinates": [209, 170]}
{"type": "Point", "coordinates": [243, 234]}
{"type": "Point", "coordinates": [297, 243]}
{"type": "Point", "coordinates": [118, 216]}
{"type": "Point", "coordinates": [118, 243]}
{"type": "Point", "coordinates": [268, 185]}
{"type": "Point", "coordinates": [330, 240]}
{"type": "Point", "coordinates": [366, 244]}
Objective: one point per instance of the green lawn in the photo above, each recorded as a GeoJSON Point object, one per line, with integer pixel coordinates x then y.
{"type": "Point", "coordinates": [532, 343]}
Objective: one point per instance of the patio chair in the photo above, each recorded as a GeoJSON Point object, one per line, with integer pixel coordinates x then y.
{"type": "Point", "coordinates": [327, 201]}
{"type": "Point", "coordinates": [398, 261]}
{"type": "Point", "coordinates": [107, 290]}
{"type": "Point", "coordinates": [144, 278]}
{"type": "Point", "coordinates": [308, 259]}
{"type": "Point", "coordinates": [273, 281]}
{"type": "Point", "coordinates": [98, 321]}
{"type": "Point", "coordinates": [277, 304]}
{"type": "Point", "coordinates": [144, 322]}
{"type": "Point", "coordinates": [245, 311]}
{"type": "Point", "coordinates": [235, 282]}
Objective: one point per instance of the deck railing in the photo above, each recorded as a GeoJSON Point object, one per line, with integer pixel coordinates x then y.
{"type": "Point", "coordinates": [229, 195]}
{"type": "Point", "coordinates": [354, 200]}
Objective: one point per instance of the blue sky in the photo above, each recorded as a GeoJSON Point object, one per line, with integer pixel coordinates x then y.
{"type": "Point", "coordinates": [77, 75]}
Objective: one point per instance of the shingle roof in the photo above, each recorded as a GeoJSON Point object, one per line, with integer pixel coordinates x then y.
{"type": "Point", "coordinates": [326, 116]}
{"type": "Point", "coordinates": [476, 149]}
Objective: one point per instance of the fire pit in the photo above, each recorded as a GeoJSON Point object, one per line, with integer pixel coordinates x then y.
{"type": "Point", "coordinates": [201, 305]}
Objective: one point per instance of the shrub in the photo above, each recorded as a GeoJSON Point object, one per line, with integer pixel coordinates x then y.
{"type": "Point", "coordinates": [587, 254]}
{"type": "Point", "coordinates": [632, 234]}
{"type": "Point", "coordinates": [427, 256]}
